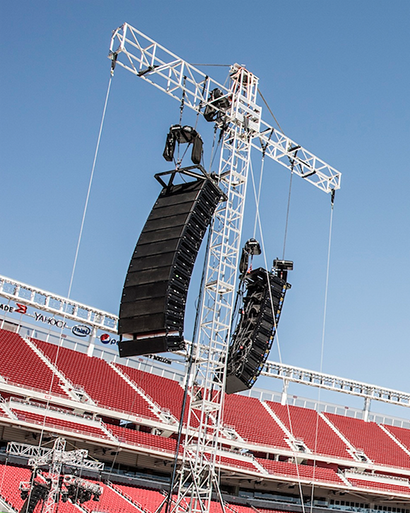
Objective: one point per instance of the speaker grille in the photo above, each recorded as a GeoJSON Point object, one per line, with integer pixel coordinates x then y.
{"type": "Point", "coordinates": [154, 295]}
{"type": "Point", "coordinates": [253, 337]}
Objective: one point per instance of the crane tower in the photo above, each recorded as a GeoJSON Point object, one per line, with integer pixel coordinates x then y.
{"type": "Point", "coordinates": [235, 111]}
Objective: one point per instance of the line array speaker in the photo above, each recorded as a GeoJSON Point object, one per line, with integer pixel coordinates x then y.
{"type": "Point", "coordinates": [254, 334]}
{"type": "Point", "coordinates": [154, 295]}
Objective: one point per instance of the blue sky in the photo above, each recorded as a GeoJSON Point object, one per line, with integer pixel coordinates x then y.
{"type": "Point", "coordinates": [336, 76]}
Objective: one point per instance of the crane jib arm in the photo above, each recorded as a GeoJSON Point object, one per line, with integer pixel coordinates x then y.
{"type": "Point", "coordinates": [150, 61]}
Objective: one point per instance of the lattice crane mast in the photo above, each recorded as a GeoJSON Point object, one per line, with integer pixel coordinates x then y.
{"type": "Point", "coordinates": [235, 111]}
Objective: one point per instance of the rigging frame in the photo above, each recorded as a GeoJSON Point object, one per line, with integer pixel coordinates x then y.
{"type": "Point", "coordinates": [242, 128]}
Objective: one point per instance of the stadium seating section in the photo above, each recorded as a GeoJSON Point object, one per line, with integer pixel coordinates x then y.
{"type": "Point", "coordinates": [259, 427]}
{"type": "Point", "coordinates": [300, 471]}
{"type": "Point", "coordinates": [307, 426]}
{"type": "Point", "coordinates": [98, 379]}
{"type": "Point", "coordinates": [380, 486]}
{"type": "Point", "coordinates": [115, 498]}
{"type": "Point", "coordinates": [147, 500]}
{"type": "Point", "coordinates": [144, 398]}
{"type": "Point", "coordinates": [372, 440]}
{"type": "Point", "coordinates": [31, 371]}
{"type": "Point", "coordinates": [141, 439]}
{"type": "Point", "coordinates": [50, 422]}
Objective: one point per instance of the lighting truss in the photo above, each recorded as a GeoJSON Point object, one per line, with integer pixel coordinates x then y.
{"type": "Point", "coordinates": [369, 392]}
{"type": "Point", "coordinates": [45, 455]}
{"type": "Point", "coordinates": [55, 457]}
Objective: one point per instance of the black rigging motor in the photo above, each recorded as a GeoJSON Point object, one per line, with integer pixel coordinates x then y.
{"type": "Point", "coordinates": [183, 135]}
{"type": "Point", "coordinates": [218, 104]}
{"type": "Point", "coordinates": [250, 249]}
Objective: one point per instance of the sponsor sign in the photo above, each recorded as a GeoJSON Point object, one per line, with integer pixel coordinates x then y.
{"type": "Point", "coordinates": [159, 358]}
{"type": "Point", "coordinates": [81, 330]}
{"type": "Point", "coordinates": [19, 308]}
{"type": "Point", "coordinates": [106, 339]}
{"type": "Point", "coordinates": [52, 321]}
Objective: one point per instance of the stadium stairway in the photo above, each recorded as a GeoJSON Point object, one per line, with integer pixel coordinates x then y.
{"type": "Point", "coordinates": [5, 410]}
{"type": "Point", "coordinates": [65, 383]}
{"type": "Point", "coordinates": [31, 371]}
{"type": "Point", "coordinates": [163, 414]}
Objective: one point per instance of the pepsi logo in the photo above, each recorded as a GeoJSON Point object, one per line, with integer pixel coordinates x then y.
{"type": "Point", "coordinates": [105, 338]}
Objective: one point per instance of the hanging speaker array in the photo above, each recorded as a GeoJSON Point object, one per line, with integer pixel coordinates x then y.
{"type": "Point", "coordinates": [156, 285]}
{"type": "Point", "coordinates": [259, 317]}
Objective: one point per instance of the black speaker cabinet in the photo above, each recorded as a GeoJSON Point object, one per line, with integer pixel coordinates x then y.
{"type": "Point", "coordinates": [154, 296]}
{"type": "Point", "coordinates": [253, 337]}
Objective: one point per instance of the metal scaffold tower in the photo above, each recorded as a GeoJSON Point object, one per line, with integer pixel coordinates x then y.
{"type": "Point", "coordinates": [235, 111]}
{"type": "Point", "coordinates": [54, 458]}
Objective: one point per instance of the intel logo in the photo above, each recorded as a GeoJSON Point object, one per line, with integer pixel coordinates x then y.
{"type": "Point", "coordinates": [81, 330]}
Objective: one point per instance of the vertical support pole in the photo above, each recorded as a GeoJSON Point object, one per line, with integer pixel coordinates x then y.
{"type": "Point", "coordinates": [284, 397]}
{"type": "Point", "coordinates": [198, 477]}
{"type": "Point", "coordinates": [366, 409]}
{"type": "Point", "coordinates": [54, 475]}
{"type": "Point", "coordinates": [91, 341]}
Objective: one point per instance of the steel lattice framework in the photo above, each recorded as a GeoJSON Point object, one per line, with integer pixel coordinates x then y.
{"type": "Point", "coordinates": [57, 305]}
{"type": "Point", "coordinates": [242, 129]}
{"type": "Point", "coordinates": [198, 469]}
{"type": "Point", "coordinates": [55, 457]}
{"type": "Point", "coordinates": [368, 391]}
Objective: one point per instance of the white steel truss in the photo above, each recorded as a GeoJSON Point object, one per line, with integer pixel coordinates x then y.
{"type": "Point", "coordinates": [147, 59]}
{"type": "Point", "coordinates": [197, 475]}
{"type": "Point", "coordinates": [369, 392]}
{"type": "Point", "coordinates": [54, 473]}
{"type": "Point", "coordinates": [55, 458]}
{"type": "Point", "coordinates": [57, 305]}
{"type": "Point", "coordinates": [45, 455]}
{"type": "Point", "coordinates": [242, 129]}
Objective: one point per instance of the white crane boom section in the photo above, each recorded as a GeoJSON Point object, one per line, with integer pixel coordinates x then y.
{"type": "Point", "coordinates": [150, 61]}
